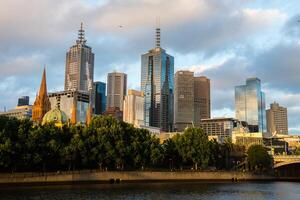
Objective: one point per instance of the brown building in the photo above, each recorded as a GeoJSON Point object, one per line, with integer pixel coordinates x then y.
{"type": "Point", "coordinates": [41, 104]}
{"type": "Point", "coordinates": [201, 98]}
{"type": "Point", "coordinates": [116, 89]}
{"type": "Point", "coordinates": [277, 121]}
{"type": "Point", "coordinates": [114, 112]}
{"type": "Point", "coordinates": [191, 99]}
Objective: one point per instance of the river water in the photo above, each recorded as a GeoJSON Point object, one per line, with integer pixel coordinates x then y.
{"type": "Point", "coordinates": [159, 191]}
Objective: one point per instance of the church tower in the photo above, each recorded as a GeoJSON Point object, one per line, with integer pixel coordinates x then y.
{"type": "Point", "coordinates": [41, 104]}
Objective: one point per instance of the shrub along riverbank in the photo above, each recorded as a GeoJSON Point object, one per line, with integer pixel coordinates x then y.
{"type": "Point", "coordinates": [107, 144]}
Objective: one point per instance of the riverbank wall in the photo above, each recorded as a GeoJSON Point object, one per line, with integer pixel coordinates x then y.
{"type": "Point", "coordinates": [128, 176]}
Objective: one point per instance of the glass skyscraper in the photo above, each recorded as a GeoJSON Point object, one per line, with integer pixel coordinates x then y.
{"type": "Point", "coordinates": [79, 65]}
{"type": "Point", "coordinates": [100, 97]}
{"type": "Point", "coordinates": [157, 83]}
{"type": "Point", "coordinates": [250, 105]}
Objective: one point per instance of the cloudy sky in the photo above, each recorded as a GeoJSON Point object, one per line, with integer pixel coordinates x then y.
{"type": "Point", "coordinates": [225, 40]}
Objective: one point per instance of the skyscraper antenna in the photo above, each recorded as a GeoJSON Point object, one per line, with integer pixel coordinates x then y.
{"type": "Point", "coordinates": [157, 41]}
{"type": "Point", "coordinates": [81, 38]}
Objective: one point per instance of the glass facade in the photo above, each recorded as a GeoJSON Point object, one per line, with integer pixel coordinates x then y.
{"type": "Point", "coordinates": [250, 105]}
{"type": "Point", "coordinates": [157, 83]}
{"type": "Point", "coordinates": [99, 97]}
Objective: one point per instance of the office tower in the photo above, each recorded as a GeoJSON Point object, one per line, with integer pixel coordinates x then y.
{"type": "Point", "coordinates": [79, 65]}
{"type": "Point", "coordinates": [277, 121]}
{"type": "Point", "coordinates": [116, 89]}
{"type": "Point", "coordinates": [157, 83]}
{"type": "Point", "coordinates": [183, 99]}
{"type": "Point", "coordinates": [41, 104]}
{"type": "Point", "coordinates": [191, 99]}
{"type": "Point", "coordinates": [23, 101]}
{"type": "Point", "coordinates": [133, 111]}
{"type": "Point", "coordinates": [250, 105]}
{"type": "Point", "coordinates": [99, 97]}
{"type": "Point", "coordinates": [74, 104]}
{"type": "Point", "coordinates": [201, 98]}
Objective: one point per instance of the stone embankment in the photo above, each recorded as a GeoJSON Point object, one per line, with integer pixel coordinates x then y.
{"type": "Point", "coordinates": [127, 176]}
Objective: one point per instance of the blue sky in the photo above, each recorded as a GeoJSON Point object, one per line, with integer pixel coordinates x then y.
{"type": "Point", "coordinates": [225, 40]}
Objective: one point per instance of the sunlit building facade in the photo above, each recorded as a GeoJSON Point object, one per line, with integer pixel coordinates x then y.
{"type": "Point", "coordinates": [72, 103]}
{"type": "Point", "coordinates": [250, 105]}
{"type": "Point", "coordinates": [277, 120]}
{"type": "Point", "coordinates": [133, 111]}
{"type": "Point", "coordinates": [157, 83]}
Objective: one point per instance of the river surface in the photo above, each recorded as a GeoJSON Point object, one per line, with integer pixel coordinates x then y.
{"type": "Point", "coordinates": [157, 191]}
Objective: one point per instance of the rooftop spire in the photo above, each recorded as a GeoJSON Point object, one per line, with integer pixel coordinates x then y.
{"type": "Point", "coordinates": [157, 41]}
{"type": "Point", "coordinates": [43, 87]}
{"type": "Point", "coordinates": [81, 38]}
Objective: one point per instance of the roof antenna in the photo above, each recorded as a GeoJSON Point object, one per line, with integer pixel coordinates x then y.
{"type": "Point", "coordinates": [81, 38]}
{"type": "Point", "coordinates": [157, 41]}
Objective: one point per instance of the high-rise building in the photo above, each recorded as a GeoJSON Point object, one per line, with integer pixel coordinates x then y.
{"type": "Point", "coordinates": [99, 97]}
{"type": "Point", "coordinates": [41, 104]}
{"type": "Point", "coordinates": [75, 104]}
{"type": "Point", "coordinates": [116, 89]}
{"type": "Point", "coordinates": [183, 99]}
{"type": "Point", "coordinates": [277, 120]}
{"type": "Point", "coordinates": [133, 111]}
{"type": "Point", "coordinates": [201, 98]}
{"type": "Point", "coordinates": [191, 99]}
{"type": "Point", "coordinates": [23, 101]}
{"type": "Point", "coordinates": [157, 83]}
{"type": "Point", "coordinates": [79, 65]}
{"type": "Point", "coordinates": [250, 105]}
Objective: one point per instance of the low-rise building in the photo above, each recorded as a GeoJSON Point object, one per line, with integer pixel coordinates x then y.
{"type": "Point", "coordinates": [74, 103]}
{"type": "Point", "coordinates": [220, 128]}
{"type": "Point", "coordinates": [20, 112]}
{"type": "Point", "coordinates": [247, 139]}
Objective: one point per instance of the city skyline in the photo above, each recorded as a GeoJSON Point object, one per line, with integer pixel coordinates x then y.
{"type": "Point", "coordinates": [266, 59]}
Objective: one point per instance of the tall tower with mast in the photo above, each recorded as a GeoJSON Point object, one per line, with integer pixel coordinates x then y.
{"type": "Point", "coordinates": [157, 83]}
{"type": "Point", "coordinates": [79, 73]}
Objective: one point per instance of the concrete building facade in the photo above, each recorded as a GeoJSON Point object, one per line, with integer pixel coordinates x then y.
{"type": "Point", "coordinates": [116, 89]}
{"type": "Point", "coordinates": [74, 104]}
{"type": "Point", "coordinates": [191, 99]}
{"type": "Point", "coordinates": [277, 119]}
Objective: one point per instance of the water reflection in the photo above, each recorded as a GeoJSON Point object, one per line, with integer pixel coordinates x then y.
{"type": "Point", "coordinates": [182, 191]}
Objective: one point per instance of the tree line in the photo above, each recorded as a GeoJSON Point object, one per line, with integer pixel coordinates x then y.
{"type": "Point", "coordinates": [107, 144]}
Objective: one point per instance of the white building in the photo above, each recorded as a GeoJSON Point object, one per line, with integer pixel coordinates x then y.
{"type": "Point", "coordinates": [133, 108]}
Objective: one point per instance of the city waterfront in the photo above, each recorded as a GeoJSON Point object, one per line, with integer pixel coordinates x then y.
{"type": "Point", "coordinates": [224, 191]}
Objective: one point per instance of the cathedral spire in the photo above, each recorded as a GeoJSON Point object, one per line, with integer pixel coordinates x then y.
{"type": "Point", "coordinates": [43, 87]}
{"type": "Point", "coordinates": [42, 103]}
{"type": "Point", "coordinates": [81, 37]}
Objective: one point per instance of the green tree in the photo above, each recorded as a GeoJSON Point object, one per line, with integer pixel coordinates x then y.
{"type": "Point", "coordinates": [193, 147]}
{"type": "Point", "coordinates": [258, 158]}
